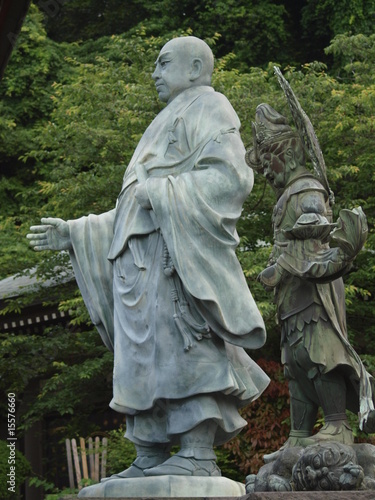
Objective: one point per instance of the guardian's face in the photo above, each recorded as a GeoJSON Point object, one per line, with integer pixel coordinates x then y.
{"type": "Point", "coordinates": [274, 169]}
{"type": "Point", "coordinates": [172, 73]}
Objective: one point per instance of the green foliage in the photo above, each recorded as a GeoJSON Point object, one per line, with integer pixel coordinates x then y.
{"type": "Point", "coordinates": [41, 483]}
{"type": "Point", "coordinates": [24, 103]}
{"type": "Point", "coordinates": [71, 116]}
{"type": "Point", "coordinates": [322, 20]}
{"type": "Point", "coordinates": [257, 31]}
{"type": "Point", "coordinates": [96, 123]}
{"type": "Point", "coordinates": [353, 57]}
{"type": "Point", "coordinates": [22, 470]}
{"type": "Point", "coordinates": [64, 390]}
{"type": "Point", "coordinates": [96, 18]}
{"type": "Point", "coordinates": [254, 30]}
{"type": "Point", "coordinates": [69, 365]}
{"type": "Point", "coordinates": [121, 452]}
{"type": "Point", "coordinates": [65, 494]}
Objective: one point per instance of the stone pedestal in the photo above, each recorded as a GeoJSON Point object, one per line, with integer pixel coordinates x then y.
{"type": "Point", "coordinates": [270, 495]}
{"type": "Point", "coordinates": [311, 495]}
{"type": "Point", "coordinates": [165, 487]}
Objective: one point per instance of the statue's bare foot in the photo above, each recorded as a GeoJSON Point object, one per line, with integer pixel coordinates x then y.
{"type": "Point", "coordinates": [182, 466]}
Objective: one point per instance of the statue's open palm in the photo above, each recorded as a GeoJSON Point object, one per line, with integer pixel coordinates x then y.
{"type": "Point", "coordinates": [52, 234]}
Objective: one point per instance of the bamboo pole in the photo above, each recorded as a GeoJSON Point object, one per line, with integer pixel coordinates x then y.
{"type": "Point", "coordinates": [96, 469]}
{"type": "Point", "coordinates": [104, 457]}
{"type": "Point", "coordinates": [91, 458]}
{"type": "Point", "coordinates": [85, 470]}
{"type": "Point", "coordinates": [76, 463]}
{"type": "Point", "coordinates": [70, 463]}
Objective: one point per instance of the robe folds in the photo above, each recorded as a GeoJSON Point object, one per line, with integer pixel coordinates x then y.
{"type": "Point", "coordinates": [164, 286]}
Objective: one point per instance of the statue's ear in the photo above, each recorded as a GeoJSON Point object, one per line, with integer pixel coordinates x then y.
{"type": "Point", "coordinates": [196, 68]}
{"type": "Point", "coordinates": [290, 158]}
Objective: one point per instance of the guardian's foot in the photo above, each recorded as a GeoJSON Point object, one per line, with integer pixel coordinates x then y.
{"type": "Point", "coordinates": [340, 432]}
{"type": "Point", "coordinates": [293, 441]}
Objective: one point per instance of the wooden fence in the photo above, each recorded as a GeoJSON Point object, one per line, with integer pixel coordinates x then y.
{"type": "Point", "coordinates": [86, 462]}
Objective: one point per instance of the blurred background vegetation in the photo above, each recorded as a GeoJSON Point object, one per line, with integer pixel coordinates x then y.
{"type": "Point", "coordinates": [75, 100]}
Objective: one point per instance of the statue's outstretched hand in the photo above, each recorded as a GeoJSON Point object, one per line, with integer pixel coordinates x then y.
{"type": "Point", "coordinates": [52, 234]}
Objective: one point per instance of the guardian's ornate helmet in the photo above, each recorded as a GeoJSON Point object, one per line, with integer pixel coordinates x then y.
{"type": "Point", "coordinates": [270, 127]}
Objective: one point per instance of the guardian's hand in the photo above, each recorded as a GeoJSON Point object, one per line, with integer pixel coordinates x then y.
{"type": "Point", "coordinates": [52, 234]}
{"type": "Point", "coordinates": [271, 277]}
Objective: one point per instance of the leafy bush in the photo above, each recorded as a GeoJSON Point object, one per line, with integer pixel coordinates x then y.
{"type": "Point", "coordinates": [121, 452]}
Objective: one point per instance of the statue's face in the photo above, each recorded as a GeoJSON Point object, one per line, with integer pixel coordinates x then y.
{"type": "Point", "coordinates": [274, 168]}
{"type": "Point", "coordinates": [172, 73]}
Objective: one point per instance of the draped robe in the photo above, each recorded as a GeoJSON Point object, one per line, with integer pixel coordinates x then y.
{"type": "Point", "coordinates": [177, 338]}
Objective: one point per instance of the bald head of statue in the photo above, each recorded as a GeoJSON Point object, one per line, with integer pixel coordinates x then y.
{"type": "Point", "coordinates": [182, 63]}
